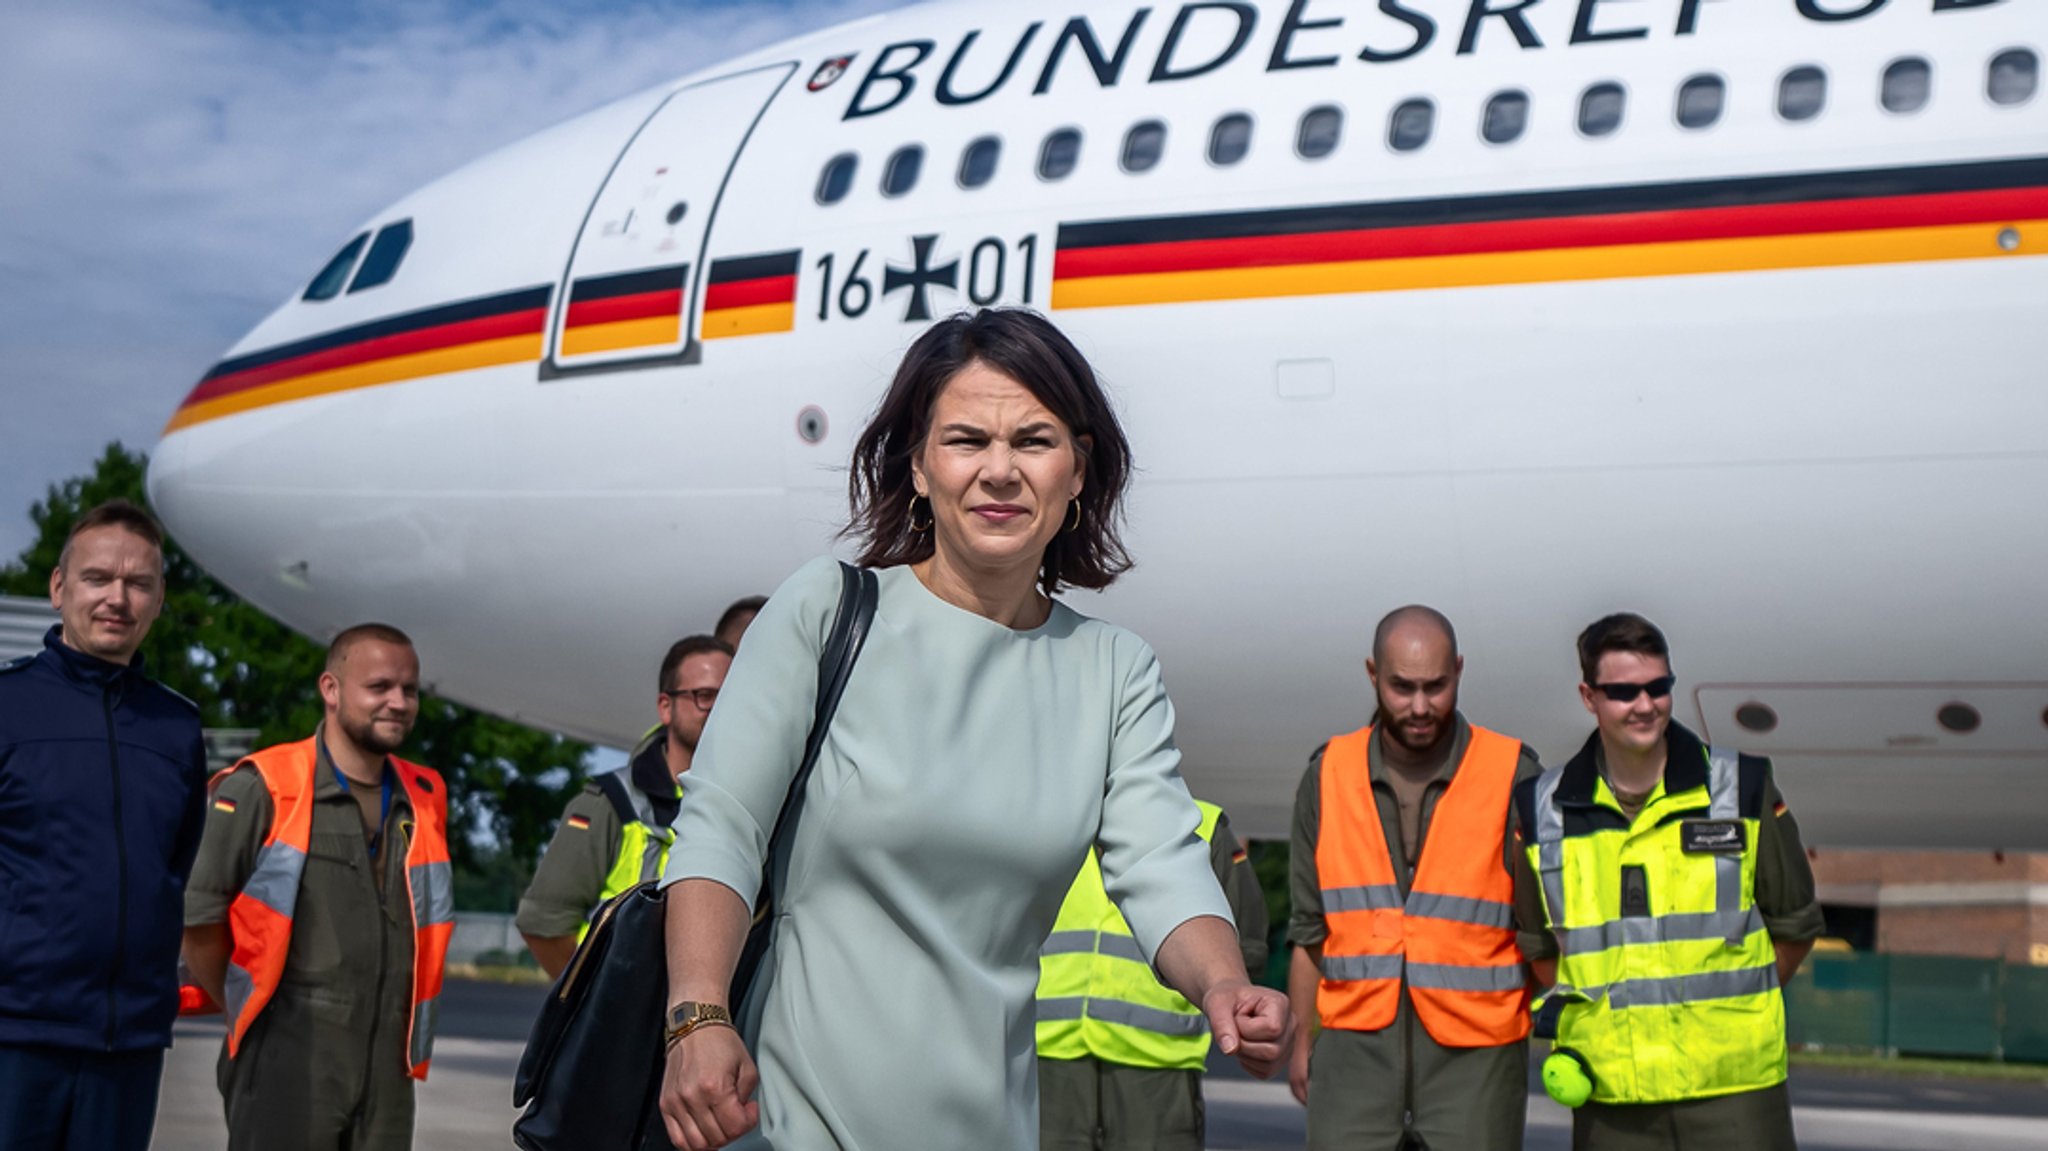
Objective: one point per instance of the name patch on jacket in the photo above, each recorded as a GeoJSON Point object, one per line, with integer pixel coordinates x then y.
{"type": "Point", "coordinates": [1712, 836]}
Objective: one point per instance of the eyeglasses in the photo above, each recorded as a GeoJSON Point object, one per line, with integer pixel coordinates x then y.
{"type": "Point", "coordinates": [703, 697]}
{"type": "Point", "coordinates": [1627, 692]}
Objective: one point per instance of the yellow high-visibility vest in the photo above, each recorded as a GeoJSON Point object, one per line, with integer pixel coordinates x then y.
{"type": "Point", "coordinates": [1668, 976]}
{"type": "Point", "coordinates": [1096, 994]}
{"type": "Point", "coordinates": [643, 842]}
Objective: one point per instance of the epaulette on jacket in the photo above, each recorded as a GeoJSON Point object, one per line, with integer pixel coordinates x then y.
{"type": "Point", "coordinates": [16, 664]}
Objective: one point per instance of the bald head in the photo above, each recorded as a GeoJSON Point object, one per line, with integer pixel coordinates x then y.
{"type": "Point", "coordinates": [1409, 624]}
{"type": "Point", "coordinates": [1414, 670]}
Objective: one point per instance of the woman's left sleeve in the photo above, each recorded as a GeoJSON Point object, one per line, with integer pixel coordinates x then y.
{"type": "Point", "coordinates": [1154, 862]}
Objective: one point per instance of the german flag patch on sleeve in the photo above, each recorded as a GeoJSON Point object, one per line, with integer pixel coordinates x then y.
{"type": "Point", "coordinates": [580, 822]}
{"type": "Point", "coordinates": [223, 803]}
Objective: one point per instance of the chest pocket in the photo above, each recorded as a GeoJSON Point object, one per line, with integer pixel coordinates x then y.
{"type": "Point", "coordinates": [334, 926]}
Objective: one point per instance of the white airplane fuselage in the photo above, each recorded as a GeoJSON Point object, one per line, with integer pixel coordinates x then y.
{"type": "Point", "coordinates": [1776, 383]}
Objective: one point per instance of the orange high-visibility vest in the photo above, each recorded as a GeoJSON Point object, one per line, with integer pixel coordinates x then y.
{"type": "Point", "coordinates": [261, 916]}
{"type": "Point", "coordinates": [1453, 938]}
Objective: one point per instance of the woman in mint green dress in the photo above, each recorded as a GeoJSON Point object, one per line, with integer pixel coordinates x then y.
{"type": "Point", "coordinates": [988, 736]}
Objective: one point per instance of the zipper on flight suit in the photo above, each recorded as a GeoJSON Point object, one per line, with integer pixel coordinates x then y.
{"type": "Point", "coordinates": [377, 888]}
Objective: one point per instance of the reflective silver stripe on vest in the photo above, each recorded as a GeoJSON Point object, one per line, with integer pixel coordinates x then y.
{"type": "Point", "coordinates": [433, 894]}
{"type": "Point", "coordinates": [1461, 909]}
{"type": "Point", "coordinates": [1091, 943]}
{"type": "Point", "coordinates": [1128, 1014]}
{"type": "Point", "coordinates": [1675, 990]}
{"type": "Point", "coordinates": [1371, 897]}
{"type": "Point", "coordinates": [424, 1016]}
{"type": "Point", "coordinates": [650, 857]}
{"type": "Point", "coordinates": [1724, 791]}
{"type": "Point", "coordinates": [1660, 929]}
{"type": "Point", "coordinates": [1456, 977]}
{"type": "Point", "coordinates": [236, 988]}
{"type": "Point", "coordinates": [1352, 967]}
{"type": "Point", "coordinates": [274, 882]}
{"type": "Point", "coordinates": [1550, 842]}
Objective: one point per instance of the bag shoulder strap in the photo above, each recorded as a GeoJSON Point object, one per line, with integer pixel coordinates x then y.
{"type": "Point", "coordinates": [858, 592]}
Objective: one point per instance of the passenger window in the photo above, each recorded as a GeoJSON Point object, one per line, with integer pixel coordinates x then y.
{"type": "Point", "coordinates": [900, 174]}
{"type": "Point", "coordinates": [1507, 115]}
{"type": "Point", "coordinates": [1410, 125]}
{"type": "Point", "coordinates": [386, 251]}
{"type": "Point", "coordinates": [1059, 154]}
{"type": "Point", "coordinates": [1700, 100]}
{"type": "Point", "coordinates": [1906, 85]}
{"type": "Point", "coordinates": [837, 178]}
{"type": "Point", "coordinates": [1321, 128]}
{"type": "Point", "coordinates": [1802, 93]}
{"type": "Point", "coordinates": [1230, 139]}
{"type": "Point", "coordinates": [1143, 145]}
{"type": "Point", "coordinates": [327, 284]}
{"type": "Point", "coordinates": [978, 162]}
{"type": "Point", "coordinates": [1600, 109]}
{"type": "Point", "coordinates": [2015, 74]}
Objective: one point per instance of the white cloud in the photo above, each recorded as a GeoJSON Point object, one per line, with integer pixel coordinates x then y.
{"type": "Point", "coordinates": [173, 169]}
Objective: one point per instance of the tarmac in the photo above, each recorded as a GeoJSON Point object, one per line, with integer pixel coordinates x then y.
{"type": "Point", "coordinates": [467, 1102]}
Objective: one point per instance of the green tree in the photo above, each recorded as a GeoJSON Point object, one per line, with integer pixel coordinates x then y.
{"type": "Point", "coordinates": [507, 782]}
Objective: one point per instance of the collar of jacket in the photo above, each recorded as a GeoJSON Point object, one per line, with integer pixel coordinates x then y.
{"type": "Point", "coordinates": [1685, 767]}
{"type": "Point", "coordinates": [88, 671]}
{"type": "Point", "coordinates": [651, 776]}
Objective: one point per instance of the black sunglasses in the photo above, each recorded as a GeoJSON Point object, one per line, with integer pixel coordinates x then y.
{"type": "Point", "coordinates": [1627, 692]}
{"type": "Point", "coordinates": [703, 697]}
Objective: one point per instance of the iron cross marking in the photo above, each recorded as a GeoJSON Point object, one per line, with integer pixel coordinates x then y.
{"type": "Point", "coordinates": [920, 278]}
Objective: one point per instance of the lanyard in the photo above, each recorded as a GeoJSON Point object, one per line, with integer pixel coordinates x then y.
{"type": "Point", "coordinates": [383, 811]}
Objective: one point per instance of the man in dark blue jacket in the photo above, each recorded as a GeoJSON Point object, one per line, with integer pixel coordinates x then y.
{"type": "Point", "coordinates": [102, 798]}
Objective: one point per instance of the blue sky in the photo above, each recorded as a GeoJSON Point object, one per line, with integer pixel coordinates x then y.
{"type": "Point", "coordinates": [174, 169]}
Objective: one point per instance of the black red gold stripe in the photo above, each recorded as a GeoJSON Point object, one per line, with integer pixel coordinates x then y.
{"type": "Point", "coordinates": [629, 310]}
{"type": "Point", "coordinates": [1817, 220]}
{"type": "Point", "coordinates": [503, 329]}
{"type": "Point", "coordinates": [749, 295]}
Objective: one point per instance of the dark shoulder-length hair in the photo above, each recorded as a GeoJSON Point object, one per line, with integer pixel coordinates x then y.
{"type": "Point", "coordinates": [1026, 347]}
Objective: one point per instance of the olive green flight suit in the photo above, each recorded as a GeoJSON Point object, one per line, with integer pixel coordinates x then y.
{"type": "Point", "coordinates": [1094, 1105]}
{"type": "Point", "coordinates": [323, 1066]}
{"type": "Point", "coordinates": [1398, 1087]}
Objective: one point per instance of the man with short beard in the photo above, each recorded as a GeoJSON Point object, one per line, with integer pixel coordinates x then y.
{"type": "Point", "coordinates": [1402, 882]}
{"type": "Point", "coordinates": [614, 835]}
{"type": "Point", "coordinates": [320, 911]}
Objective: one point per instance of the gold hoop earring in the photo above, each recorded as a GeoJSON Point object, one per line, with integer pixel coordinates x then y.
{"type": "Point", "coordinates": [926, 526]}
{"type": "Point", "coordinates": [1075, 525]}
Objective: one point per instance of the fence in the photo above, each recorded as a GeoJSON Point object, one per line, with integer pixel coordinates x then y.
{"type": "Point", "coordinates": [1920, 1005]}
{"type": "Point", "coordinates": [484, 934]}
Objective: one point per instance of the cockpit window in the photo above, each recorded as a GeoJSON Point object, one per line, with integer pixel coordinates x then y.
{"type": "Point", "coordinates": [386, 252]}
{"type": "Point", "coordinates": [1906, 85]}
{"type": "Point", "coordinates": [900, 174]}
{"type": "Point", "coordinates": [1507, 116]}
{"type": "Point", "coordinates": [837, 178]}
{"type": "Point", "coordinates": [2015, 73]}
{"type": "Point", "coordinates": [1802, 93]}
{"type": "Point", "coordinates": [978, 162]}
{"type": "Point", "coordinates": [1059, 154]}
{"type": "Point", "coordinates": [327, 284]}
{"type": "Point", "coordinates": [1700, 100]}
{"type": "Point", "coordinates": [1410, 126]}
{"type": "Point", "coordinates": [1143, 145]}
{"type": "Point", "coordinates": [1321, 128]}
{"type": "Point", "coordinates": [1230, 139]}
{"type": "Point", "coordinates": [1600, 109]}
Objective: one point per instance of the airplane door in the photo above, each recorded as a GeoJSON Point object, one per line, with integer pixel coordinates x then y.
{"type": "Point", "coordinates": [629, 297]}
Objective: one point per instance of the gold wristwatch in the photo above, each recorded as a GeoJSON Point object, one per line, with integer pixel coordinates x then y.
{"type": "Point", "coordinates": [689, 1015]}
